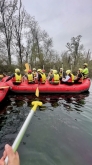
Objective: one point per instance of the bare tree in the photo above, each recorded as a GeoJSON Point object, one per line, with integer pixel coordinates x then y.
{"type": "Point", "coordinates": [7, 10]}
{"type": "Point", "coordinates": [18, 30]}
{"type": "Point", "coordinates": [73, 48]}
{"type": "Point", "coordinates": [33, 39]}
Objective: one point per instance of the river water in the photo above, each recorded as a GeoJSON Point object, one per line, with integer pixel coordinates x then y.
{"type": "Point", "coordinates": [60, 132]}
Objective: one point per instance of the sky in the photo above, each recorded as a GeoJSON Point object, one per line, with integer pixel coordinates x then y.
{"type": "Point", "coordinates": [63, 19]}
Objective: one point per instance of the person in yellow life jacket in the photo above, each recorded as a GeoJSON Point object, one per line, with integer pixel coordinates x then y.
{"type": "Point", "coordinates": [16, 77]}
{"type": "Point", "coordinates": [55, 78]}
{"type": "Point", "coordinates": [30, 77]}
{"type": "Point", "coordinates": [35, 74]}
{"type": "Point", "coordinates": [41, 77]}
{"type": "Point", "coordinates": [69, 77]}
{"type": "Point", "coordinates": [85, 71]}
{"type": "Point", "coordinates": [79, 77]}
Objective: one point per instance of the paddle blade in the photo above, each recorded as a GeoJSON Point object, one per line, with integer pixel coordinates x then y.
{"type": "Point", "coordinates": [37, 92]}
{"type": "Point", "coordinates": [27, 66]}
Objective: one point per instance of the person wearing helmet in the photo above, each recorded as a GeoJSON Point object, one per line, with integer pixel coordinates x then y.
{"type": "Point", "coordinates": [29, 77]}
{"type": "Point", "coordinates": [35, 75]}
{"type": "Point", "coordinates": [55, 78]}
{"type": "Point", "coordinates": [61, 74]}
{"type": "Point", "coordinates": [69, 77]}
{"type": "Point", "coordinates": [50, 74]}
{"type": "Point", "coordinates": [16, 77]}
{"type": "Point", "coordinates": [85, 71]}
{"type": "Point", "coordinates": [41, 76]}
{"type": "Point", "coordinates": [79, 77]}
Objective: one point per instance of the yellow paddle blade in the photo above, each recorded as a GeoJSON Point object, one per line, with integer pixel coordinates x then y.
{"type": "Point", "coordinates": [36, 104]}
{"type": "Point", "coordinates": [37, 92]}
{"type": "Point", "coordinates": [27, 66]}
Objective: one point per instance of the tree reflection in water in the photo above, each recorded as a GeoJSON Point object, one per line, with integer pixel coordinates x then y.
{"type": "Point", "coordinates": [13, 114]}
{"type": "Point", "coordinates": [55, 100]}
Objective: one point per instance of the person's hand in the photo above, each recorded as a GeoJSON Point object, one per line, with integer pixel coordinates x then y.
{"type": "Point", "coordinates": [63, 79]}
{"type": "Point", "coordinates": [13, 158]}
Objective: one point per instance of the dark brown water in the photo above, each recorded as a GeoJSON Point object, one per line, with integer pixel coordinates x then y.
{"type": "Point", "coordinates": [60, 132]}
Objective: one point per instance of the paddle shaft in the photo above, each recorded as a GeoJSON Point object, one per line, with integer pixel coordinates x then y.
{"type": "Point", "coordinates": [4, 87]}
{"type": "Point", "coordinates": [62, 70]}
{"type": "Point", "coordinates": [23, 129]}
{"type": "Point", "coordinates": [71, 67]}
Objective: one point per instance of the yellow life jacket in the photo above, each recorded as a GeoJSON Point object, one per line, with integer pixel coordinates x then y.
{"type": "Point", "coordinates": [17, 78]}
{"type": "Point", "coordinates": [30, 77]}
{"type": "Point", "coordinates": [43, 79]}
{"type": "Point", "coordinates": [85, 73]}
{"type": "Point", "coordinates": [56, 78]}
{"type": "Point", "coordinates": [73, 77]}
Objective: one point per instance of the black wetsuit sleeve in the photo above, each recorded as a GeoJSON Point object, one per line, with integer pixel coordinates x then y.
{"type": "Point", "coordinates": [39, 77]}
{"type": "Point", "coordinates": [51, 77]}
{"type": "Point", "coordinates": [64, 74]}
{"type": "Point", "coordinates": [13, 75]}
{"type": "Point", "coordinates": [79, 76]}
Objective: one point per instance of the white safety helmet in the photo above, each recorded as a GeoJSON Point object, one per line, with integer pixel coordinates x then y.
{"type": "Point", "coordinates": [55, 71]}
{"type": "Point", "coordinates": [68, 72]}
{"type": "Point", "coordinates": [85, 64]}
{"type": "Point", "coordinates": [39, 70]}
{"type": "Point", "coordinates": [80, 69]}
{"type": "Point", "coordinates": [17, 70]}
{"type": "Point", "coordinates": [34, 69]}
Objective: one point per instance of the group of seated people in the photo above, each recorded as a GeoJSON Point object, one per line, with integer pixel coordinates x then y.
{"type": "Point", "coordinates": [32, 76]}
{"type": "Point", "coordinates": [68, 77]}
{"type": "Point", "coordinates": [39, 76]}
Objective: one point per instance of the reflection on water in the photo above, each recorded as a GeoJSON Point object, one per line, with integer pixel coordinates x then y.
{"type": "Point", "coordinates": [58, 132]}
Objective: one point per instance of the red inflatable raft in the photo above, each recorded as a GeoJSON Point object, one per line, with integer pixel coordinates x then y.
{"type": "Point", "coordinates": [24, 87]}
{"type": "Point", "coordinates": [3, 91]}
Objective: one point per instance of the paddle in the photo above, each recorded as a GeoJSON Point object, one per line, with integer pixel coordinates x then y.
{"type": "Point", "coordinates": [4, 87]}
{"type": "Point", "coordinates": [24, 127]}
{"type": "Point", "coordinates": [62, 69]}
{"type": "Point", "coordinates": [71, 67]}
{"type": "Point", "coordinates": [37, 92]}
{"type": "Point", "coordinates": [27, 67]}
